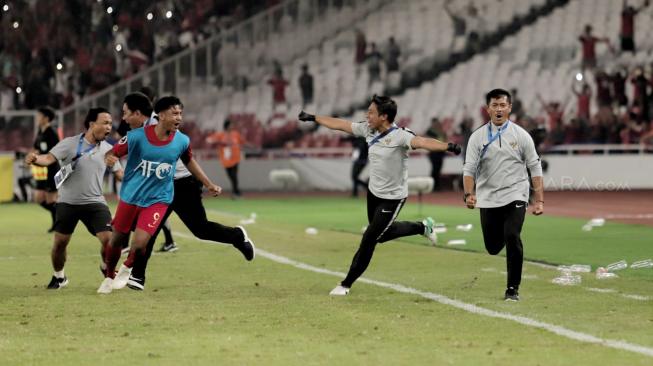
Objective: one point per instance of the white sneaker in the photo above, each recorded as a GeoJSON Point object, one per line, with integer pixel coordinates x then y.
{"type": "Point", "coordinates": [339, 291]}
{"type": "Point", "coordinates": [105, 287]}
{"type": "Point", "coordinates": [122, 277]}
{"type": "Point", "coordinates": [429, 232]}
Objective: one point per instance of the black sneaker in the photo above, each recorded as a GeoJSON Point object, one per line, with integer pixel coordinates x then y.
{"type": "Point", "coordinates": [57, 283]}
{"type": "Point", "coordinates": [246, 246]}
{"type": "Point", "coordinates": [512, 294]}
{"type": "Point", "coordinates": [136, 283]}
{"type": "Point", "coordinates": [169, 247]}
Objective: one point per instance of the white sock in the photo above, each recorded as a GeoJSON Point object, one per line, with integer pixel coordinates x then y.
{"type": "Point", "coordinates": [59, 274]}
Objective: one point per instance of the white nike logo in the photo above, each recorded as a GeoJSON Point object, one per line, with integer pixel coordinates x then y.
{"type": "Point", "coordinates": [518, 206]}
{"type": "Point", "coordinates": [384, 211]}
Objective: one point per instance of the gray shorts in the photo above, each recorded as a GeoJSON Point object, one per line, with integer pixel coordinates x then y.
{"type": "Point", "coordinates": [95, 216]}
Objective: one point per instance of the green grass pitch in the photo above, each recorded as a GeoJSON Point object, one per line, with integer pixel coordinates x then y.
{"type": "Point", "coordinates": [206, 305]}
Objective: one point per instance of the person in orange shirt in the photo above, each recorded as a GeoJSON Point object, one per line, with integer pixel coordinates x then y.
{"type": "Point", "coordinates": [229, 142]}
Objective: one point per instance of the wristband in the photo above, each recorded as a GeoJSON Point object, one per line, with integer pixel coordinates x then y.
{"type": "Point", "coordinates": [465, 197]}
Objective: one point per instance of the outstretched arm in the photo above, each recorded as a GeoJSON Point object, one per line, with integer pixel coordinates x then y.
{"type": "Point", "coordinates": [328, 122]}
{"type": "Point", "coordinates": [198, 172]}
{"type": "Point", "coordinates": [427, 143]}
{"type": "Point", "coordinates": [40, 159]}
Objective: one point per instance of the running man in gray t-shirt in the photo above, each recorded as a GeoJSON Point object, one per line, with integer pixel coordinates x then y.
{"type": "Point", "coordinates": [80, 192]}
{"type": "Point", "coordinates": [496, 180]}
{"type": "Point", "coordinates": [388, 189]}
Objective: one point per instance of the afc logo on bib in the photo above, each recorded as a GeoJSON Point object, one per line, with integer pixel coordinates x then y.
{"type": "Point", "coordinates": [161, 170]}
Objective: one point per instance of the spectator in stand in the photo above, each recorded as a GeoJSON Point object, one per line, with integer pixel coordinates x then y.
{"type": "Point", "coordinates": [392, 56]}
{"type": "Point", "coordinates": [576, 132]}
{"type": "Point", "coordinates": [459, 24]}
{"type": "Point", "coordinates": [553, 111]}
{"type": "Point", "coordinates": [603, 89]}
{"type": "Point", "coordinates": [647, 136]}
{"type": "Point", "coordinates": [466, 129]}
{"type": "Point", "coordinates": [627, 33]}
{"type": "Point", "coordinates": [517, 106]}
{"type": "Point", "coordinates": [359, 156]}
{"type": "Point", "coordinates": [361, 48]}
{"type": "Point", "coordinates": [306, 86]}
{"type": "Point", "coordinates": [641, 98]}
{"type": "Point", "coordinates": [436, 157]}
{"type": "Point", "coordinates": [278, 84]}
{"type": "Point", "coordinates": [475, 25]}
{"type": "Point", "coordinates": [229, 142]}
{"type": "Point", "coordinates": [584, 97]}
{"type": "Point", "coordinates": [588, 42]}
{"type": "Point", "coordinates": [619, 86]}
{"type": "Point", "coordinates": [373, 59]}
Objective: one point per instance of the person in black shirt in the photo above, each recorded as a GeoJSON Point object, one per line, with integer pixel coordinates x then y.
{"type": "Point", "coordinates": [436, 157]}
{"type": "Point", "coordinates": [360, 161]}
{"type": "Point", "coordinates": [306, 85]}
{"type": "Point", "coordinates": [45, 193]}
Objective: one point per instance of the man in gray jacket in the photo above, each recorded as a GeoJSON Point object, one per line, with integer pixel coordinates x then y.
{"type": "Point", "coordinates": [496, 180]}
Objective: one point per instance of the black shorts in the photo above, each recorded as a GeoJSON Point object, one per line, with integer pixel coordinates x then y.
{"type": "Point", "coordinates": [48, 185]}
{"type": "Point", "coordinates": [95, 216]}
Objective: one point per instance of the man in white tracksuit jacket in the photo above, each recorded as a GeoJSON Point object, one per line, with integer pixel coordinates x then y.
{"type": "Point", "coordinates": [496, 180]}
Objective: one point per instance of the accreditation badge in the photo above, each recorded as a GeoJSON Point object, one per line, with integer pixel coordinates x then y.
{"type": "Point", "coordinates": [63, 174]}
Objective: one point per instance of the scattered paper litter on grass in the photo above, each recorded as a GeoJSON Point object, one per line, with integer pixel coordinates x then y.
{"type": "Point", "coordinates": [602, 274]}
{"type": "Point", "coordinates": [595, 222]}
{"type": "Point", "coordinates": [644, 263]}
{"type": "Point", "coordinates": [311, 231]}
{"type": "Point", "coordinates": [617, 266]}
{"type": "Point", "coordinates": [465, 227]}
{"type": "Point", "coordinates": [457, 242]}
{"type": "Point", "coordinates": [567, 280]}
{"type": "Point", "coordinates": [599, 221]}
{"type": "Point", "coordinates": [250, 220]}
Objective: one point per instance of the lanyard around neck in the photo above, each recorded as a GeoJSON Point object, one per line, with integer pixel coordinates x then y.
{"type": "Point", "coordinates": [490, 138]}
{"type": "Point", "coordinates": [382, 135]}
{"type": "Point", "coordinates": [81, 153]}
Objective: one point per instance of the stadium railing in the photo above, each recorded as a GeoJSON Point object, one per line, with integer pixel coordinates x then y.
{"type": "Point", "coordinates": [179, 73]}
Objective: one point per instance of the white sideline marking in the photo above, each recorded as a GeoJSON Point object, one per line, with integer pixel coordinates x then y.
{"type": "Point", "coordinates": [630, 216]}
{"type": "Point", "coordinates": [601, 290]}
{"type": "Point", "coordinates": [556, 329]}
{"type": "Point", "coordinates": [636, 297]}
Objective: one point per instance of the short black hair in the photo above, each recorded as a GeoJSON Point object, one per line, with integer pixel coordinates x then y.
{"type": "Point", "coordinates": [92, 115]}
{"type": "Point", "coordinates": [166, 103]}
{"type": "Point", "coordinates": [47, 112]}
{"type": "Point", "coordinates": [385, 105]}
{"type": "Point", "coordinates": [226, 124]}
{"type": "Point", "coordinates": [138, 101]}
{"type": "Point", "coordinates": [497, 93]}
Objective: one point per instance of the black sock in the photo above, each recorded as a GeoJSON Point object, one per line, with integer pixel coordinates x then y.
{"type": "Point", "coordinates": [167, 233]}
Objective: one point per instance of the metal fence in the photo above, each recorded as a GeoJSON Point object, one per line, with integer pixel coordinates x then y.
{"type": "Point", "coordinates": [283, 33]}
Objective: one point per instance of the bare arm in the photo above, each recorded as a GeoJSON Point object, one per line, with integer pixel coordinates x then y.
{"type": "Point", "coordinates": [538, 188]}
{"type": "Point", "coordinates": [198, 172]}
{"type": "Point", "coordinates": [40, 159]}
{"type": "Point", "coordinates": [119, 174]}
{"type": "Point", "coordinates": [470, 192]}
